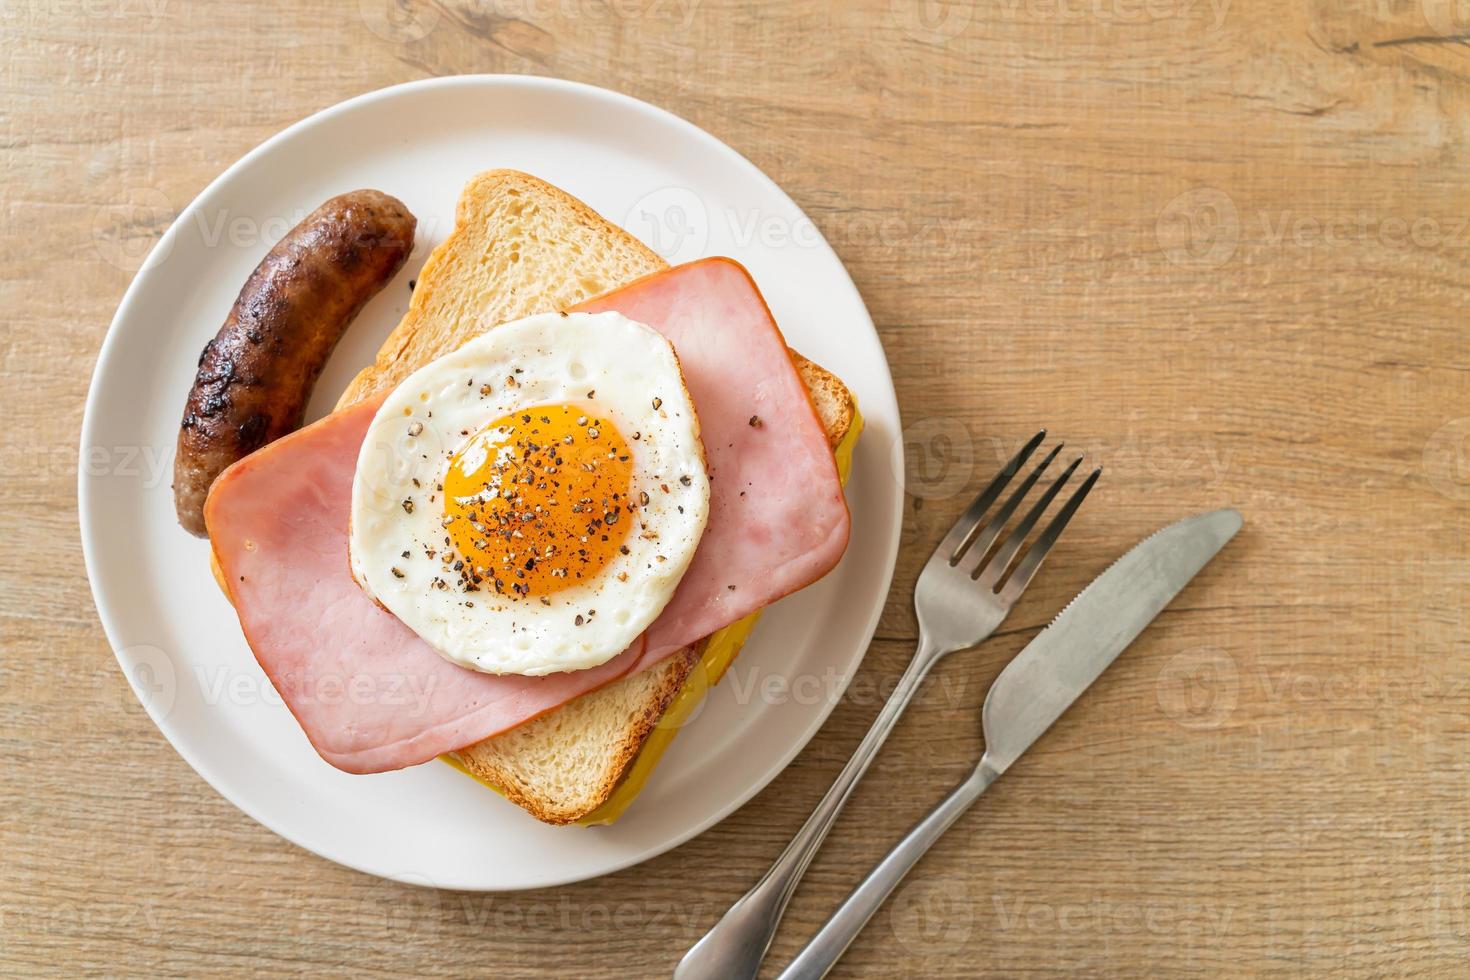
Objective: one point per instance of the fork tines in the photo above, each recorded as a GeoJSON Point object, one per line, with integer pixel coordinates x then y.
{"type": "Point", "coordinates": [969, 542]}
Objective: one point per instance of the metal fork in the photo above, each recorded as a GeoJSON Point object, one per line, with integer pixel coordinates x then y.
{"type": "Point", "coordinates": [962, 596]}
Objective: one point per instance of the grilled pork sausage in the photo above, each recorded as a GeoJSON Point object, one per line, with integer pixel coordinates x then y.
{"type": "Point", "coordinates": [256, 375]}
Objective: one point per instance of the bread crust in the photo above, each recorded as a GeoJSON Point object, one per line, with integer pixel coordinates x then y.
{"type": "Point", "coordinates": [486, 760]}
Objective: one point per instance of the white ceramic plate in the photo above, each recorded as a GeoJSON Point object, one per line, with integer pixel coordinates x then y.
{"type": "Point", "coordinates": [682, 191]}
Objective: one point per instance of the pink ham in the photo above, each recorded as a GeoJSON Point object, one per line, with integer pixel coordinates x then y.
{"type": "Point", "coordinates": [371, 696]}
{"type": "Point", "coordinates": [777, 520]}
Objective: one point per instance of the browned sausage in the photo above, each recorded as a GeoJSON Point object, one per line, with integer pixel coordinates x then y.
{"type": "Point", "coordinates": [256, 375]}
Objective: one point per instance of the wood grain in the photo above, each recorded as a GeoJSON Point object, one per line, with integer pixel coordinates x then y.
{"type": "Point", "coordinates": [1221, 245]}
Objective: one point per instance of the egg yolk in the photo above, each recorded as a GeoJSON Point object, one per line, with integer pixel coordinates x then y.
{"type": "Point", "coordinates": [537, 501]}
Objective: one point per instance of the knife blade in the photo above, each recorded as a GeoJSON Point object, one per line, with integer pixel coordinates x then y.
{"type": "Point", "coordinates": [1043, 680]}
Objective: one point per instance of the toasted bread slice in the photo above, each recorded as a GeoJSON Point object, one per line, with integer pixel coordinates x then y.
{"type": "Point", "coordinates": [521, 246]}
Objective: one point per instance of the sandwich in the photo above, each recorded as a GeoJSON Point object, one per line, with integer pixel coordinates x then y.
{"type": "Point", "coordinates": [456, 631]}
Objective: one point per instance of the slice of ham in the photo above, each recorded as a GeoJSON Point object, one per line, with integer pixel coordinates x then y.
{"type": "Point", "coordinates": [371, 696]}
{"type": "Point", "coordinates": [778, 520]}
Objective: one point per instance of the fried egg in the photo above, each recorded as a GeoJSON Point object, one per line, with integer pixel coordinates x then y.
{"type": "Point", "coordinates": [528, 503]}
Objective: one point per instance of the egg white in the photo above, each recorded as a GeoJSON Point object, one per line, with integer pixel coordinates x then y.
{"type": "Point", "coordinates": [623, 372]}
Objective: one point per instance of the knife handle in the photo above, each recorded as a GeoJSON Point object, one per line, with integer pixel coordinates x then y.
{"type": "Point", "coordinates": [832, 940]}
{"type": "Point", "coordinates": [734, 947]}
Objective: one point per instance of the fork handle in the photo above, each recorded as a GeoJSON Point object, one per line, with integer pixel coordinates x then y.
{"type": "Point", "coordinates": [734, 947]}
{"type": "Point", "coordinates": [832, 940]}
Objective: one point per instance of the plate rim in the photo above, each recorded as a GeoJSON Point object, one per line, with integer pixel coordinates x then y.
{"type": "Point", "coordinates": [149, 269]}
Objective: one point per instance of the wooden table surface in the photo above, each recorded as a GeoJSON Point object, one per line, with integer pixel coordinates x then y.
{"type": "Point", "coordinates": [1223, 246]}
